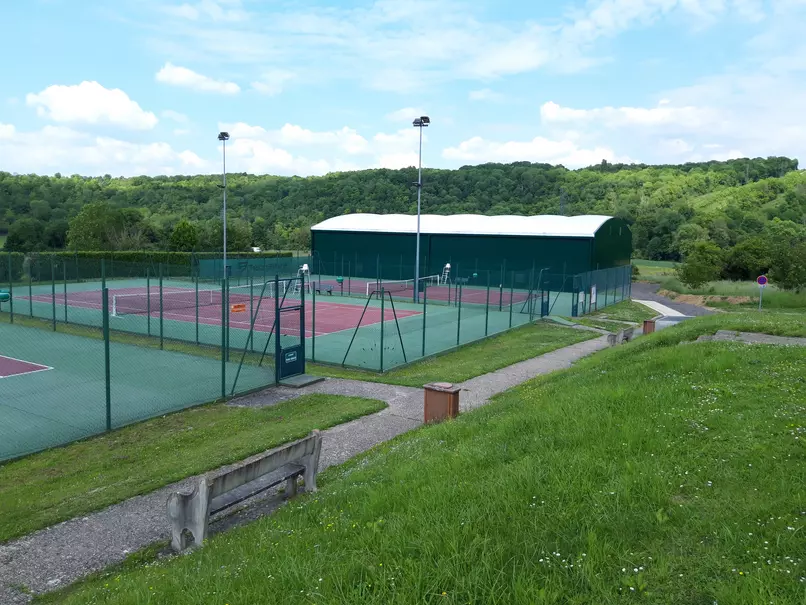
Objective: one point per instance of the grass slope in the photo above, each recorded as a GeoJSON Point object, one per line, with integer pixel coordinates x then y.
{"type": "Point", "coordinates": [58, 484]}
{"type": "Point", "coordinates": [651, 472]}
{"type": "Point", "coordinates": [473, 360]}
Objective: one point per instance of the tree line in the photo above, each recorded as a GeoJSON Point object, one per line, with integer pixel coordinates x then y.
{"type": "Point", "coordinates": [672, 209]}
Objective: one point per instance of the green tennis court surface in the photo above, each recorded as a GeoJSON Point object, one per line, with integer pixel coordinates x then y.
{"type": "Point", "coordinates": [40, 409]}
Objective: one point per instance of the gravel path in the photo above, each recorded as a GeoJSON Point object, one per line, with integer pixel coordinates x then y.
{"type": "Point", "coordinates": [61, 554]}
{"type": "Point", "coordinates": [753, 338]}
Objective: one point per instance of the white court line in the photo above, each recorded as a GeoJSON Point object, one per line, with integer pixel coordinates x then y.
{"type": "Point", "coordinates": [660, 308]}
{"type": "Point", "coordinates": [30, 363]}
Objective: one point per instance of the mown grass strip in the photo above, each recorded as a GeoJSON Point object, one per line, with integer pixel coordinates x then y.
{"type": "Point", "coordinates": [472, 360]}
{"type": "Point", "coordinates": [667, 474]}
{"type": "Point", "coordinates": [65, 482]}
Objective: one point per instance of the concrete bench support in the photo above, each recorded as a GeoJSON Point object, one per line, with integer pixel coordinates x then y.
{"type": "Point", "coordinates": [190, 512]}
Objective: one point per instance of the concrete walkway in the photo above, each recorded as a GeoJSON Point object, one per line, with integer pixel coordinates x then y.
{"type": "Point", "coordinates": [59, 555]}
{"type": "Point", "coordinates": [659, 308]}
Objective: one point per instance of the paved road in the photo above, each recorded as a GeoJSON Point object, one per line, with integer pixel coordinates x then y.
{"type": "Point", "coordinates": [648, 291]}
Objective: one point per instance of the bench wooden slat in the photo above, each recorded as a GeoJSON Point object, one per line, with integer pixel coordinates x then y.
{"type": "Point", "coordinates": [261, 484]}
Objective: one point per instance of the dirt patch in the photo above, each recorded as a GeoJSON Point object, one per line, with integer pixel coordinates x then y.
{"type": "Point", "coordinates": [704, 300]}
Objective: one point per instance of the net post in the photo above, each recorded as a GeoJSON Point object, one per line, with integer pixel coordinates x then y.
{"type": "Point", "coordinates": [383, 319]}
{"type": "Point", "coordinates": [107, 376]}
{"type": "Point", "coordinates": [53, 290]}
{"type": "Point", "coordinates": [425, 310]}
{"type": "Point", "coordinates": [64, 275]}
{"type": "Point", "coordinates": [459, 313]}
{"type": "Point", "coordinates": [10, 289]}
{"type": "Point", "coordinates": [487, 306]}
{"type": "Point", "coordinates": [162, 331]}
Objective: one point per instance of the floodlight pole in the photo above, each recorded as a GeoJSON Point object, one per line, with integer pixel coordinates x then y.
{"type": "Point", "coordinates": [421, 122]}
{"type": "Point", "coordinates": [223, 137]}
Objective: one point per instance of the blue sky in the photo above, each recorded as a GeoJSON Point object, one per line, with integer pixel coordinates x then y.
{"type": "Point", "coordinates": [129, 87]}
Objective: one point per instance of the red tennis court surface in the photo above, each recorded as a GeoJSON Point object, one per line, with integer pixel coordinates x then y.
{"type": "Point", "coordinates": [473, 294]}
{"type": "Point", "coordinates": [330, 316]}
{"type": "Point", "coordinates": [10, 366]}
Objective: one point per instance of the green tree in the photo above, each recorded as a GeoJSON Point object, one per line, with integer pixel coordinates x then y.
{"type": "Point", "coordinates": [748, 259]}
{"type": "Point", "coordinates": [91, 228]}
{"type": "Point", "coordinates": [788, 266]}
{"type": "Point", "coordinates": [25, 235]}
{"type": "Point", "coordinates": [704, 264]}
{"type": "Point", "coordinates": [185, 237]}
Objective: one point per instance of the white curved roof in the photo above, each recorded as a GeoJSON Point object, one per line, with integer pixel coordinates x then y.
{"type": "Point", "coordinates": [464, 224]}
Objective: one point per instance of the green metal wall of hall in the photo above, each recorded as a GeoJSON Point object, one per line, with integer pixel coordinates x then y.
{"type": "Point", "coordinates": [391, 255]}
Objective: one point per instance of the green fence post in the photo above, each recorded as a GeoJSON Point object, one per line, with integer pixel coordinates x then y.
{"type": "Point", "coordinates": [148, 299]}
{"type": "Point", "coordinates": [425, 310]}
{"type": "Point", "coordinates": [103, 273]}
{"type": "Point", "coordinates": [487, 306]}
{"type": "Point", "coordinates": [459, 314]}
{"type": "Point", "coordinates": [10, 290]}
{"type": "Point", "coordinates": [511, 296]}
{"type": "Point", "coordinates": [277, 350]}
{"type": "Point", "coordinates": [383, 319]}
{"type": "Point", "coordinates": [223, 338]}
{"type": "Point", "coordinates": [162, 327]}
{"type": "Point", "coordinates": [53, 290]}
{"type": "Point", "coordinates": [64, 274]}
{"type": "Point", "coordinates": [196, 288]}
{"type": "Point", "coordinates": [76, 258]}
{"type": "Point", "coordinates": [251, 306]}
{"type": "Point", "coordinates": [313, 324]}
{"type": "Point", "coordinates": [501, 286]}
{"type": "Point", "coordinates": [107, 373]}
{"type": "Point", "coordinates": [226, 309]}
{"type": "Point", "coordinates": [30, 289]}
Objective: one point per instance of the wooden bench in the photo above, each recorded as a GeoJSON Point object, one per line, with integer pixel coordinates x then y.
{"type": "Point", "coordinates": [190, 512]}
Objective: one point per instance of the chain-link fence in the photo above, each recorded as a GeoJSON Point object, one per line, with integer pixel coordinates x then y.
{"type": "Point", "coordinates": [460, 305]}
{"type": "Point", "coordinates": [88, 345]}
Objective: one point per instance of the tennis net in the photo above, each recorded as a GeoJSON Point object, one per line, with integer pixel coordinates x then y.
{"type": "Point", "coordinates": [401, 285]}
{"type": "Point", "coordinates": [143, 303]}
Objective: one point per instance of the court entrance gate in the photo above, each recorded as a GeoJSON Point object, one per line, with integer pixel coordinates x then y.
{"type": "Point", "coordinates": [289, 342]}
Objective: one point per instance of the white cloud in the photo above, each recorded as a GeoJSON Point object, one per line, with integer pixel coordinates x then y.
{"type": "Point", "coordinates": [273, 82]}
{"type": "Point", "coordinates": [539, 149]}
{"type": "Point", "coordinates": [91, 103]}
{"type": "Point", "coordinates": [7, 131]}
{"type": "Point", "coordinates": [345, 139]}
{"type": "Point", "coordinates": [485, 94]}
{"type": "Point", "coordinates": [62, 149]}
{"type": "Point", "coordinates": [214, 10]}
{"type": "Point", "coordinates": [170, 114]}
{"type": "Point", "coordinates": [182, 76]}
{"type": "Point", "coordinates": [616, 117]}
{"type": "Point", "coordinates": [407, 114]}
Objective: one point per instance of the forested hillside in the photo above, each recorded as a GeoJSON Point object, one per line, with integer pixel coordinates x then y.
{"type": "Point", "coordinates": [670, 208]}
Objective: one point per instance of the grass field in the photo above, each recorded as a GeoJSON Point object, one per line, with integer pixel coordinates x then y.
{"type": "Point", "coordinates": [649, 473]}
{"type": "Point", "coordinates": [746, 292]}
{"type": "Point", "coordinates": [654, 270]}
{"type": "Point", "coordinates": [62, 483]}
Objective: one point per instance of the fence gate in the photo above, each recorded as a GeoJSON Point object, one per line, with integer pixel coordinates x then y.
{"type": "Point", "coordinates": [290, 337]}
